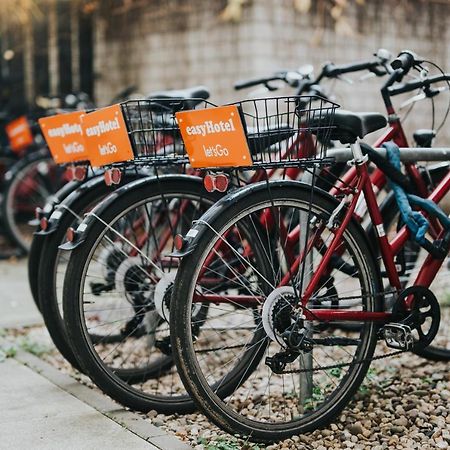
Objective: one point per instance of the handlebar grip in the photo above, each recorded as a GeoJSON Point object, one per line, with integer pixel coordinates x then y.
{"type": "Point", "coordinates": [255, 82]}
{"type": "Point", "coordinates": [405, 60]}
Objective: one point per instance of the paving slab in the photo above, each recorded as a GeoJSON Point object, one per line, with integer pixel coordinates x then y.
{"type": "Point", "coordinates": [16, 302]}
{"type": "Point", "coordinates": [43, 408]}
{"type": "Point", "coordinates": [37, 414]}
{"type": "Point", "coordinates": [133, 422]}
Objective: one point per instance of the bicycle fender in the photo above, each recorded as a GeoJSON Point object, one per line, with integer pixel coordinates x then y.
{"type": "Point", "coordinates": [150, 182]}
{"type": "Point", "coordinates": [193, 236]}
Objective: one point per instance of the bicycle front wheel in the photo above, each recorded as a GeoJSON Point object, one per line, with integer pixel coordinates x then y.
{"type": "Point", "coordinates": [252, 315]}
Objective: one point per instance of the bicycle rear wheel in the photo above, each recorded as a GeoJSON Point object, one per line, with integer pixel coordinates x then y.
{"type": "Point", "coordinates": [53, 261]}
{"type": "Point", "coordinates": [275, 394]}
{"type": "Point", "coordinates": [113, 282]}
{"type": "Point", "coordinates": [34, 255]}
{"type": "Point", "coordinates": [28, 184]}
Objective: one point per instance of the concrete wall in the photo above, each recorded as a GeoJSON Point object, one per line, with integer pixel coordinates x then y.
{"type": "Point", "coordinates": [171, 44]}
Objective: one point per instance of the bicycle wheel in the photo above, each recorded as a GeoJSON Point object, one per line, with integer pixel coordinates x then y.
{"type": "Point", "coordinates": [286, 391]}
{"type": "Point", "coordinates": [113, 282]}
{"type": "Point", "coordinates": [34, 255]}
{"type": "Point", "coordinates": [53, 261]}
{"type": "Point", "coordinates": [28, 184]}
{"type": "Point", "coordinates": [413, 258]}
{"type": "Point", "coordinates": [33, 268]}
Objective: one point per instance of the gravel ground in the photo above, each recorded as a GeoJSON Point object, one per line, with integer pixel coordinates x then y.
{"type": "Point", "coordinates": [403, 404]}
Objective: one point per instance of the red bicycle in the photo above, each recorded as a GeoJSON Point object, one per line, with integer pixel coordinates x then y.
{"type": "Point", "coordinates": [293, 322]}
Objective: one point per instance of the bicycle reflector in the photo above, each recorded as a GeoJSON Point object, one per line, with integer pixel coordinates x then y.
{"type": "Point", "coordinates": [76, 173]}
{"type": "Point", "coordinates": [179, 241]}
{"type": "Point", "coordinates": [216, 182]}
{"type": "Point", "coordinates": [112, 176]}
{"type": "Point", "coordinates": [43, 223]}
{"type": "Point", "coordinates": [79, 173]}
{"type": "Point", "coordinates": [70, 234]}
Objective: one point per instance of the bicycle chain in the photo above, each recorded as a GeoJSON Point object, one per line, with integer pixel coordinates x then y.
{"type": "Point", "coordinates": [315, 369]}
{"type": "Point", "coordinates": [339, 366]}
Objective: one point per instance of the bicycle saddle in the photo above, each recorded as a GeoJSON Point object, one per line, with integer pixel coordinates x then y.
{"type": "Point", "coordinates": [198, 93]}
{"type": "Point", "coordinates": [261, 139]}
{"type": "Point", "coordinates": [347, 126]}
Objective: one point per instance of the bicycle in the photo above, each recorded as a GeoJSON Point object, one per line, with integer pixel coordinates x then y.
{"type": "Point", "coordinates": [285, 310]}
{"type": "Point", "coordinates": [87, 352]}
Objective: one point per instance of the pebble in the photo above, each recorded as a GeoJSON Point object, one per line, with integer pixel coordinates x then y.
{"type": "Point", "coordinates": [355, 428]}
{"type": "Point", "coordinates": [401, 422]}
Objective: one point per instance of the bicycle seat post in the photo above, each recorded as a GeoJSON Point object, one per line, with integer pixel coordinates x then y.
{"type": "Point", "coordinates": [358, 157]}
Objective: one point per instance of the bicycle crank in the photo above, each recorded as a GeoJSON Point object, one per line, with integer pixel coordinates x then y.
{"type": "Point", "coordinates": [418, 325]}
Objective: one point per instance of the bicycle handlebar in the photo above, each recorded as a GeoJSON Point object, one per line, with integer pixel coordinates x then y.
{"type": "Point", "coordinates": [243, 84]}
{"type": "Point", "coordinates": [413, 85]}
{"type": "Point", "coordinates": [329, 70]}
{"type": "Point", "coordinates": [332, 70]}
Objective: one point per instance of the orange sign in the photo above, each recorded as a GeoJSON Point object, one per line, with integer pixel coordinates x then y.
{"type": "Point", "coordinates": [64, 137]}
{"type": "Point", "coordinates": [106, 136]}
{"type": "Point", "coordinates": [214, 137]}
{"type": "Point", "coordinates": [19, 134]}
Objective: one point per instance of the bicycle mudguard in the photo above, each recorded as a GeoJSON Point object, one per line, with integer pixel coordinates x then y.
{"type": "Point", "coordinates": [150, 182]}
{"type": "Point", "coordinates": [59, 208]}
{"type": "Point", "coordinates": [201, 225]}
{"type": "Point", "coordinates": [65, 205]}
{"type": "Point", "coordinates": [63, 193]}
{"type": "Point", "coordinates": [52, 202]}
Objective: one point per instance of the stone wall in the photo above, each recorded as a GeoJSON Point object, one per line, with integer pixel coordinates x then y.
{"type": "Point", "coordinates": [175, 43]}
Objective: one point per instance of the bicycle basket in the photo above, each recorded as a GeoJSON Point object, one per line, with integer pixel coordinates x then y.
{"type": "Point", "coordinates": [153, 129]}
{"type": "Point", "coordinates": [288, 131]}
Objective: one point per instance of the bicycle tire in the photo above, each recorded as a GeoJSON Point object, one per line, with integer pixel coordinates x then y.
{"type": "Point", "coordinates": [115, 383]}
{"type": "Point", "coordinates": [37, 243]}
{"type": "Point", "coordinates": [12, 180]}
{"type": "Point", "coordinates": [220, 218]}
{"type": "Point", "coordinates": [89, 194]}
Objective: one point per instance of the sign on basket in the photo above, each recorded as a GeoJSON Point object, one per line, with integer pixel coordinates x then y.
{"type": "Point", "coordinates": [64, 137]}
{"type": "Point", "coordinates": [214, 137]}
{"type": "Point", "coordinates": [19, 134]}
{"type": "Point", "coordinates": [106, 136]}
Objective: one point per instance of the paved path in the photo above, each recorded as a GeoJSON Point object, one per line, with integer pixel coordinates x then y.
{"type": "Point", "coordinates": [16, 303]}
{"type": "Point", "coordinates": [42, 408]}
{"type": "Point", "coordinates": [38, 414]}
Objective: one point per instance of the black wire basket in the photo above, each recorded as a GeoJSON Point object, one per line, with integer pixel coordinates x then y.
{"type": "Point", "coordinates": [153, 130]}
{"type": "Point", "coordinates": [280, 131]}
{"type": "Point", "coordinates": [288, 131]}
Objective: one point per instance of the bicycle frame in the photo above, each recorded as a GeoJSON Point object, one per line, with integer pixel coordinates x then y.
{"type": "Point", "coordinates": [388, 250]}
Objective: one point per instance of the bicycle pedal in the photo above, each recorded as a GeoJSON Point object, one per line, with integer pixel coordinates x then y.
{"type": "Point", "coordinates": [398, 336]}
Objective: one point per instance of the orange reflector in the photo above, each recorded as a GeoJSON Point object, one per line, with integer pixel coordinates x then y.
{"type": "Point", "coordinates": [79, 173]}
{"type": "Point", "coordinates": [70, 173]}
{"type": "Point", "coordinates": [116, 175]}
{"type": "Point", "coordinates": [216, 182]}
{"type": "Point", "coordinates": [209, 183]}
